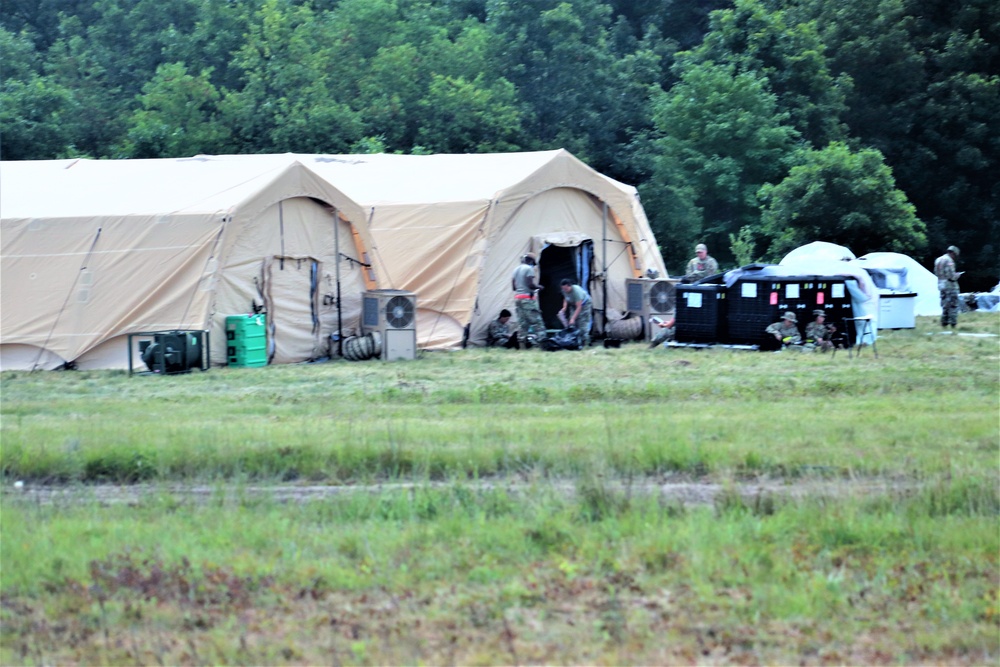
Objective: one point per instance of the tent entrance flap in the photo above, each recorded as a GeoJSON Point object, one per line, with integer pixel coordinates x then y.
{"type": "Point", "coordinates": [291, 299]}
{"type": "Point", "coordinates": [556, 262]}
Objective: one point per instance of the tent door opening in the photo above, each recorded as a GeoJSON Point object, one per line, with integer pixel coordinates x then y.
{"type": "Point", "coordinates": [291, 295]}
{"type": "Point", "coordinates": [554, 264]}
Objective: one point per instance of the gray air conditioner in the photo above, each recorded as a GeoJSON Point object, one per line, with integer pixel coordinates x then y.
{"type": "Point", "coordinates": [393, 314]}
{"type": "Point", "coordinates": [651, 298]}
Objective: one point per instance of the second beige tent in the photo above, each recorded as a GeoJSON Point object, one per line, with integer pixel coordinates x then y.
{"type": "Point", "coordinates": [452, 228]}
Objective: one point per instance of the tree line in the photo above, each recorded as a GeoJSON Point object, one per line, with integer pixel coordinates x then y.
{"type": "Point", "coordinates": [751, 125]}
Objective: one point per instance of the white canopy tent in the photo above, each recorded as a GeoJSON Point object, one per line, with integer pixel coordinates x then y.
{"type": "Point", "coordinates": [891, 272]}
{"type": "Point", "coordinates": [821, 250]}
{"type": "Point", "coordinates": [895, 272]}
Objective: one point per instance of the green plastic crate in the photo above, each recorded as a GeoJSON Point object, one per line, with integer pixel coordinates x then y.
{"type": "Point", "coordinates": [240, 327]}
{"type": "Point", "coordinates": [246, 340]}
{"type": "Point", "coordinates": [240, 355]}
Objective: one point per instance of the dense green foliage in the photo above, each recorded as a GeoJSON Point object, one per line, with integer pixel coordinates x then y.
{"type": "Point", "coordinates": [846, 197]}
{"type": "Point", "coordinates": [700, 103]}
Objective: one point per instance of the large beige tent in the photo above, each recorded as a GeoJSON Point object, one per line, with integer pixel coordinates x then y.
{"type": "Point", "coordinates": [451, 228]}
{"type": "Point", "coordinates": [94, 250]}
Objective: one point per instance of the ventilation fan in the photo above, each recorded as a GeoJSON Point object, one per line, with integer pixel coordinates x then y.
{"type": "Point", "coordinates": [399, 312]}
{"type": "Point", "coordinates": [171, 352]}
{"type": "Point", "coordinates": [662, 298]}
{"type": "Point", "coordinates": [651, 297]}
{"type": "Point", "coordinates": [393, 315]}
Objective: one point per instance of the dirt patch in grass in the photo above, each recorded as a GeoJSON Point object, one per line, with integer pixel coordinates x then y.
{"type": "Point", "coordinates": [146, 613]}
{"type": "Point", "coordinates": [679, 489]}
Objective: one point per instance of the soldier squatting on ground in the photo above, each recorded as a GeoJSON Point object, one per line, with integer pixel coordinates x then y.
{"type": "Point", "coordinates": [582, 305]}
{"type": "Point", "coordinates": [499, 333]}
{"type": "Point", "coordinates": [785, 332]}
{"type": "Point", "coordinates": [819, 333]}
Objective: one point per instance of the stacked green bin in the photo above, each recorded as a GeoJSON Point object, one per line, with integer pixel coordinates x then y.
{"type": "Point", "coordinates": [246, 340]}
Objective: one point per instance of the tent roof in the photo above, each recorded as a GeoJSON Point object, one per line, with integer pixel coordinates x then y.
{"type": "Point", "coordinates": [207, 184]}
{"type": "Point", "coordinates": [88, 188]}
{"type": "Point", "coordinates": [426, 179]}
{"type": "Point", "coordinates": [388, 179]}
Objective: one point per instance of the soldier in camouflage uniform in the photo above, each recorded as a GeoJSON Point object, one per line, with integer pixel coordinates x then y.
{"type": "Point", "coordinates": [785, 332]}
{"type": "Point", "coordinates": [944, 269]}
{"type": "Point", "coordinates": [499, 333]}
{"type": "Point", "coordinates": [667, 331]}
{"type": "Point", "coordinates": [583, 309]}
{"type": "Point", "coordinates": [529, 315]}
{"type": "Point", "coordinates": [701, 266]}
{"type": "Point", "coordinates": [819, 333]}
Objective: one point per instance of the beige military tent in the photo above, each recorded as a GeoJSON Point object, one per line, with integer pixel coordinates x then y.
{"type": "Point", "coordinates": [452, 228]}
{"type": "Point", "coordinates": [94, 250]}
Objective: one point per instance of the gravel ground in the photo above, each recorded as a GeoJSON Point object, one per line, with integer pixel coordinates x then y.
{"type": "Point", "coordinates": [687, 491]}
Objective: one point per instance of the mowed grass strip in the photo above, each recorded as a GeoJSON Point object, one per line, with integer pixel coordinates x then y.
{"type": "Point", "coordinates": [927, 405]}
{"type": "Point", "coordinates": [799, 436]}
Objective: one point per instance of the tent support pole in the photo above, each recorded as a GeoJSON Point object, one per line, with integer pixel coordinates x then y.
{"type": "Point", "coordinates": [336, 265]}
{"type": "Point", "coordinates": [604, 268]}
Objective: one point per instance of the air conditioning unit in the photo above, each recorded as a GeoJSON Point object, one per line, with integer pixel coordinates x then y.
{"type": "Point", "coordinates": [651, 298]}
{"type": "Point", "coordinates": [393, 314]}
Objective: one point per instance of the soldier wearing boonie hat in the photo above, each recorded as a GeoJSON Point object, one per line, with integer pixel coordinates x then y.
{"type": "Point", "coordinates": [818, 333]}
{"type": "Point", "coordinates": [785, 332]}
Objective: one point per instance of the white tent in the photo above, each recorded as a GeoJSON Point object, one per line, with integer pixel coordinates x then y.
{"type": "Point", "coordinates": [819, 250]}
{"type": "Point", "coordinates": [895, 272]}
{"type": "Point", "coordinates": [890, 271]}
{"type": "Point", "coordinates": [95, 250]}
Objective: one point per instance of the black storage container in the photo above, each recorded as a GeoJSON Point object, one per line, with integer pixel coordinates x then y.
{"type": "Point", "coordinates": [832, 296]}
{"type": "Point", "coordinates": [701, 314]}
{"type": "Point", "coordinates": [756, 301]}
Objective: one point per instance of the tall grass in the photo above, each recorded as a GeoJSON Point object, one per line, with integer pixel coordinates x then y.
{"type": "Point", "coordinates": [480, 560]}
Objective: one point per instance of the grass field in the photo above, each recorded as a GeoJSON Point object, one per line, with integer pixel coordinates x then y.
{"type": "Point", "coordinates": [505, 507]}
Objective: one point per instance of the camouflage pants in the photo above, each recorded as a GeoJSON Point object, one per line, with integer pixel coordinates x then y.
{"type": "Point", "coordinates": [529, 319]}
{"type": "Point", "coordinates": [662, 336]}
{"type": "Point", "coordinates": [584, 320]}
{"type": "Point", "coordinates": [949, 306]}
